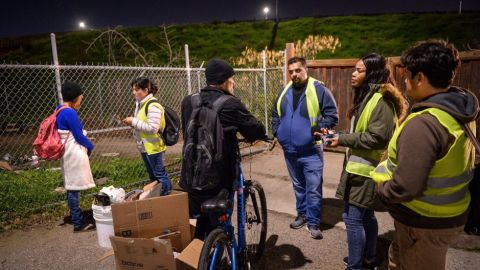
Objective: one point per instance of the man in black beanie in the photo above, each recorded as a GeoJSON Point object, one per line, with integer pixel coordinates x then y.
{"type": "Point", "coordinates": [233, 116]}
{"type": "Point", "coordinates": [218, 71]}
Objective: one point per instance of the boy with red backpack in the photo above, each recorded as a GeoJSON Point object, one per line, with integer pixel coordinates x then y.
{"type": "Point", "coordinates": [75, 164]}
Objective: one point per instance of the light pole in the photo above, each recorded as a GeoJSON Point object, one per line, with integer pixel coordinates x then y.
{"type": "Point", "coordinates": [276, 11]}
{"type": "Point", "coordinates": [266, 10]}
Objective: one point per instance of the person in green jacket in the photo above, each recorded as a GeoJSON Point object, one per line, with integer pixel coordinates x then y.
{"type": "Point", "coordinates": [376, 109]}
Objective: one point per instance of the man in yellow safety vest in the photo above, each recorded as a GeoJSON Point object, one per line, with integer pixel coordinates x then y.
{"type": "Point", "coordinates": [303, 107]}
{"type": "Point", "coordinates": [424, 181]}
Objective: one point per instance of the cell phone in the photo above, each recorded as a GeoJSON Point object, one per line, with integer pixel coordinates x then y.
{"type": "Point", "coordinates": [328, 136]}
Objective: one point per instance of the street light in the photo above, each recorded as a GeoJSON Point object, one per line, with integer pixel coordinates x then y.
{"type": "Point", "coordinates": [266, 10]}
{"type": "Point", "coordinates": [81, 25]}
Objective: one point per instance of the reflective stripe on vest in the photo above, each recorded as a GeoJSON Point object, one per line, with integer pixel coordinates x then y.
{"type": "Point", "coordinates": [362, 162]}
{"type": "Point", "coordinates": [383, 172]}
{"type": "Point", "coordinates": [313, 106]}
{"type": "Point", "coordinates": [153, 143]}
{"type": "Point", "coordinates": [447, 185]}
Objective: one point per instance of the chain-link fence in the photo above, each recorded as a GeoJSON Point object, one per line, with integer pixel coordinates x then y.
{"type": "Point", "coordinates": [29, 94]}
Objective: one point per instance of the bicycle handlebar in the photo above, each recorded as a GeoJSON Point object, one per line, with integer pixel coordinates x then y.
{"type": "Point", "coordinates": [270, 140]}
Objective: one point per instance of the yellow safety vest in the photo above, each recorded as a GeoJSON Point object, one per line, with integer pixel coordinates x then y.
{"type": "Point", "coordinates": [153, 143]}
{"type": "Point", "coordinates": [361, 161]}
{"type": "Point", "coordinates": [447, 192]}
{"type": "Point", "coordinates": [313, 106]}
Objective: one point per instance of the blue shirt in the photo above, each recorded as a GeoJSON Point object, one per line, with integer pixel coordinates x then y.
{"type": "Point", "coordinates": [293, 129]}
{"type": "Point", "coordinates": [68, 119]}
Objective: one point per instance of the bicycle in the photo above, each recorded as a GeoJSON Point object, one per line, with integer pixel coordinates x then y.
{"type": "Point", "coordinates": [221, 250]}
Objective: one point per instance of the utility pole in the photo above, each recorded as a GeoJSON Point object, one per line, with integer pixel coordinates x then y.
{"type": "Point", "coordinates": [276, 10]}
{"type": "Point", "coordinates": [460, 8]}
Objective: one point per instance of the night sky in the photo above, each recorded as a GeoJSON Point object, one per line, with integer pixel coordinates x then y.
{"type": "Point", "coordinates": [27, 17]}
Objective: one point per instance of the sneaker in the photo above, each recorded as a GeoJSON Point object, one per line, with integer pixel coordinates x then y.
{"type": "Point", "coordinates": [315, 232]}
{"type": "Point", "coordinates": [299, 222]}
{"type": "Point", "coordinates": [85, 228]}
{"type": "Point", "coordinates": [370, 265]}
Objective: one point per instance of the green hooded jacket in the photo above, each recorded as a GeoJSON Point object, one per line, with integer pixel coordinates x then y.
{"type": "Point", "coordinates": [359, 190]}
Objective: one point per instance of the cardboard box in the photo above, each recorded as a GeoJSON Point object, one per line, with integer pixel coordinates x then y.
{"type": "Point", "coordinates": [155, 253]}
{"type": "Point", "coordinates": [190, 256]}
{"type": "Point", "coordinates": [151, 190]}
{"type": "Point", "coordinates": [139, 253]}
{"type": "Point", "coordinates": [175, 240]}
{"type": "Point", "coordinates": [153, 217]}
{"type": "Point", "coordinates": [193, 226]}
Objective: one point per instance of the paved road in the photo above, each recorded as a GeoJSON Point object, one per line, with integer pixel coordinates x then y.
{"type": "Point", "coordinates": [269, 169]}
{"type": "Point", "coordinates": [56, 247]}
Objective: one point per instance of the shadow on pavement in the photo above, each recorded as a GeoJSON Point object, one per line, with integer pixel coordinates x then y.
{"type": "Point", "coordinates": [284, 256]}
{"type": "Point", "coordinates": [332, 210]}
{"type": "Point", "coordinates": [87, 218]}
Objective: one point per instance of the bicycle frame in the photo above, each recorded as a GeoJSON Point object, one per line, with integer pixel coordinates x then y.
{"type": "Point", "coordinates": [237, 247]}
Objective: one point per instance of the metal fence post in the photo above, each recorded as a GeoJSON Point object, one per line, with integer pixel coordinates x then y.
{"type": "Point", "coordinates": [57, 68]}
{"type": "Point", "coordinates": [264, 60]}
{"type": "Point", "coordinates": [187, 62]}
{"type": "Point", "coordinates": [198, 77]}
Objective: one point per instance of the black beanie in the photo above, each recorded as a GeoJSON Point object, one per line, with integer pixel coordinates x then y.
{"type": "Point", "coordinates": [70, 91]}
{"type": "Point", "coordinates": [218, 71]}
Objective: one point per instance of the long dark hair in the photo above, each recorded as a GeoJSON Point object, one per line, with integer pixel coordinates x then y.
{"type": "Point", "coordinates": [377, 72]}
{"type": "Point", "coordinates": [145, 83]}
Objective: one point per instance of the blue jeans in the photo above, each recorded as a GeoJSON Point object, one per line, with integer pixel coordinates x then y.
{"type": "Point", "coordinates": [74, 205]}
{"type": "Point", "coordinates": [362, 231]}
{"type": "Point", "coordinates": [156, 171]}
{"type": "Point", "coordinates": [306, 173]}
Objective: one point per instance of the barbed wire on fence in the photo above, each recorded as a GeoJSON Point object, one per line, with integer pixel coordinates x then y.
{"type": "Point", "coordinates": [29, 94]}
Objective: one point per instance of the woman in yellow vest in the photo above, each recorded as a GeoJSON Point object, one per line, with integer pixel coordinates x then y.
{"type": "Point", "coordinates": [373, 116]}
{"type": "Point", "coordinates": [148, 120]}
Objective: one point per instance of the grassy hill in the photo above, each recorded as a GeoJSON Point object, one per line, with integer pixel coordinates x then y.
{"type": "Point", "coordinates": [359, 35]}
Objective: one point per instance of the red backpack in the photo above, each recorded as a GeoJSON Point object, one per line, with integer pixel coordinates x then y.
{"type": "Point", "coordinates": [48, 145]}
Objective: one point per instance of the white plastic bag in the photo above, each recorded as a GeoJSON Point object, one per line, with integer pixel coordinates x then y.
{"type": "Point", "coordinates": [116, 194]}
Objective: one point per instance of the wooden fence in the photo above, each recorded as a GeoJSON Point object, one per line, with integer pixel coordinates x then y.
{"type": "Point", "coordinates": [336, 75]}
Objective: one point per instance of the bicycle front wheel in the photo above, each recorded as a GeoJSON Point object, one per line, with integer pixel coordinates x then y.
{"type": "Point", "coordinates": [216, 251]}
{"type": "Point", "coordinates": [255, 219]}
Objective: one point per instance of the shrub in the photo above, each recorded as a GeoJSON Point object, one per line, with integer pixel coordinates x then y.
{"type": "Point", "coordinates": [309, 48]}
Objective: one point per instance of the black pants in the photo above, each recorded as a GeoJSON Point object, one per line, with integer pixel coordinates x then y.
{"type": "Point", "coordinates": [473, 221]}
{"type": "Point", "coordinates": [205, 222]}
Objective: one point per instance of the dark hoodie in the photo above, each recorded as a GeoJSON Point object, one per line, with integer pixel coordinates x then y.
{"type": "Point", "coordinates": [422, 142]}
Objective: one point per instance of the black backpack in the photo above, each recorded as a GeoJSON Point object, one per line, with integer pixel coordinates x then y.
{"type": "Point", "coordinates": [171, 132]}
{"type": "Point", "coordinates": [203, 146]}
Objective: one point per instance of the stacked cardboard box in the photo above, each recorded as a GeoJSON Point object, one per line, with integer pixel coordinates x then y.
{"type": "Point", "coordinates": [149, 231]}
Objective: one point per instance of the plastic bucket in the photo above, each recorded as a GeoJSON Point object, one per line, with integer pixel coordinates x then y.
{"type": "Point", "coordinates": [104, 224]}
